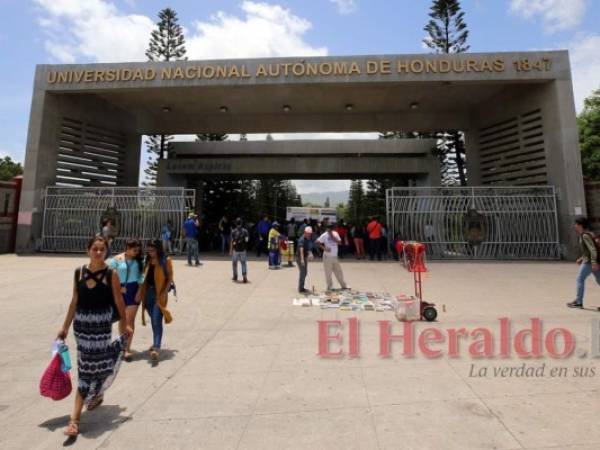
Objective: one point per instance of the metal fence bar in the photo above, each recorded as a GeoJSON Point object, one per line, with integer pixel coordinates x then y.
{"type": "Point", "coordinates": [72, 215]}
{"type": "Point", "coordinates": [514, 222]}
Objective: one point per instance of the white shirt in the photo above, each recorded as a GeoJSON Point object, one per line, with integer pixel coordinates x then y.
{"type": "Point", "coordinates": [330, 243]}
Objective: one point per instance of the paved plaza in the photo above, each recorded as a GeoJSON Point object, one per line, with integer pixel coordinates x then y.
{"type": "Point", "coordinates": [239, 368]}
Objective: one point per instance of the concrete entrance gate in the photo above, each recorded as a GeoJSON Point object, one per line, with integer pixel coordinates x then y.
{"type": "Point", "coordinates": [516, 109]}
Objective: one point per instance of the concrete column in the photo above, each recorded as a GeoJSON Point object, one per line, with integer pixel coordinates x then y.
{"type": "Point", "coordinates": [43, 141]}
{"type": "Point", "coordinates": [132, 160]}
{"type": "Point", "coordinates": [473, 160]}
{"type": "Point", "coordinates": [563, 159]}
{"type": "Point", "coordinates": [40, 164]}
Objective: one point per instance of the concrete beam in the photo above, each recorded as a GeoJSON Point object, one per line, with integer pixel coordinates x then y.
{"type": "Point", "coordinates": [345, 148]}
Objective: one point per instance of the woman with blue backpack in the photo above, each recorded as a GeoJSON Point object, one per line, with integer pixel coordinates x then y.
{"type": "Point", "coordinates": [158, 281]}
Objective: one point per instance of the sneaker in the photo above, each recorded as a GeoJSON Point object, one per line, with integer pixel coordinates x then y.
{"type": "Point", "coordinates": [346, 288]}
{"type": "Point", "coordinates": [574, 304]}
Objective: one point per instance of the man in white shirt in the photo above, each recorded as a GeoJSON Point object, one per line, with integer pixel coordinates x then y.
{"type": "Point", "coordinates": [329, 242]}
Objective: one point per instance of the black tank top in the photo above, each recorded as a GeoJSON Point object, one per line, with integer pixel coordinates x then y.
{"type": "Point", "coordinates": [98, 297]}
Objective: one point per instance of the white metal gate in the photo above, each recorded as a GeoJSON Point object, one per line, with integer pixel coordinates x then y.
{"type": "Point", "coordinates": [477, 222]}
{"type": "Point", "coordinates": [72, 215]}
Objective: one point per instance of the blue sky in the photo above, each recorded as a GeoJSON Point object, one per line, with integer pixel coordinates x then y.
{"type": "Point", "coordinates": [57, 31]}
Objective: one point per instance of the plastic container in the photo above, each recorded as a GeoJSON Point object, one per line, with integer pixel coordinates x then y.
{"type": "Point", "coordinates": [408, 309]}
{"type": "Point", "coordinates": [63, 351]}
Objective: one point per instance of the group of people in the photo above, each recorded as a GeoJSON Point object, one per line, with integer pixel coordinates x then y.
{"type": "Point", "coordinates": [108, 290]}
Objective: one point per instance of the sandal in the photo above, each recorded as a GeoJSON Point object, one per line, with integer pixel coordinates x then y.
{"type": "Point", "coordinates": [72, 428]}
{"type": "Point", "coordinates": [128, 356]}
{"type": "Point", "coordinates": [95, 402]}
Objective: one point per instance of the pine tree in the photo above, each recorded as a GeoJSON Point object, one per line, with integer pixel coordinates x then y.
{"type": "Point", "coordinates": [356, 203]}
{"type": "Point", "coordinates": [167, 43]}
{"type": "Point", "coordinates": [446, 29]}
{"type": "Point", "coordinates": [205, 137]}
{"type": "Point", "coordinates": [448, 33]}
{"type": "Point", "coordinates": [375, 196]}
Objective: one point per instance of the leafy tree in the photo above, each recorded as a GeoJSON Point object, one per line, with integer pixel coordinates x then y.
{"type": "Point", "coordinates": [448, 33]}
{"type": "Point", "coordinates": [588, 123]}
{"type": "Point", "coordinates": [9, 169]}
{"type": "Point", "coordinates": [167, 43]}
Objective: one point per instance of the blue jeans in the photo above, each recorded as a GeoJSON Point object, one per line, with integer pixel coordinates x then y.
{"type": "Point", "coordinates": [584, 271]}
{"type": "Point", "coordinates": [242, 257]}
{"type": "Point", "coordinates": [303, 271]}
{"type": "Point", "coordinates": [224, 243]}
{"type": "Point", "coordinates": [192, 249]}
{"type": "Point", "coordinates": [273, 258]}
{"type": "Point", "coordinates": [156, 317]}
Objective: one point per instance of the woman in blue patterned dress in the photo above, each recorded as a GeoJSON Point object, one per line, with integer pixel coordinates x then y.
{"type": "Point", "coordinates": [96, 292]}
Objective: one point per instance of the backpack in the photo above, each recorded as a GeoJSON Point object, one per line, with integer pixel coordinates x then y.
{"type": "Point", "coordinates": [239, 242]}
{"type": "Point", "coordinates": [596, 241]}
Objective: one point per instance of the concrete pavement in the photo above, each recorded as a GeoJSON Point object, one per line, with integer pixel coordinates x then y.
{"type": "Point", "coordinates": [239, 368]}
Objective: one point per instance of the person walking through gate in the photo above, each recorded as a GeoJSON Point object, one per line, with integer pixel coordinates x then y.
{"type": "Point", "coordinates": [190, 231]}
{"type": "Point", "coordinates": [129, 267]}
{"type": "Point", "coordinates": [263, 228]}
{"type": "Point", "coordinates": [273, 240]}
{"type": "Point", "coordinates": [305, 245]}
{"type": "Point", "coordinates": [374, 233]}
{"type": "Point", "coordinates": [158, 279]}
{"type": "Point", "coordinates": [329, 242]}
{"type": "Point", "coordinates": [238, 248]}
{"type": "Point", "coordinates": [96, 294]}
{"type": "Point", "coordinates": [225, 230]}
{"type": "Point", "coordinates": [588, 260]}
{"type": "Point", "coordinates": [167, 236]}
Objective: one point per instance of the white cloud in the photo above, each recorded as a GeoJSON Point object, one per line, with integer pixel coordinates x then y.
{"type": "Point", "coordinates": [585, 65]}
{"type": "Point", "coordinates": [266, 30]}
{"type": "Point", "coordinates": [557, 15]}
{"type": "Point", "coordinates": [95, 30]}
{"type": "Point", "coordinates": [345, 6]}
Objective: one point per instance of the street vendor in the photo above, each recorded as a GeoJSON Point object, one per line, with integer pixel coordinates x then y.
{"type": "Point", "coordinates": [305, 245]}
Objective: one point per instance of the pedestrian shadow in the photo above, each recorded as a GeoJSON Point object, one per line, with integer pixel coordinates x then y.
{"type": "Point", "coordinates": [166, 354]}
{"type": "Point", "coordinates": [93, 424]}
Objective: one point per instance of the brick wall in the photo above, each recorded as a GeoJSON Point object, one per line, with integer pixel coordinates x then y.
{"type": "Point", "coordinates": [592, 197]}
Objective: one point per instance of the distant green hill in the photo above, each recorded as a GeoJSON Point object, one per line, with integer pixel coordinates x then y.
{"type": "Point", "coordinates": [319, 198]}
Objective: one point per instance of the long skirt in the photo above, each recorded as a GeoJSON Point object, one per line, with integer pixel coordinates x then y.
{"type": "Point", "coordinates": [98, 356]}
